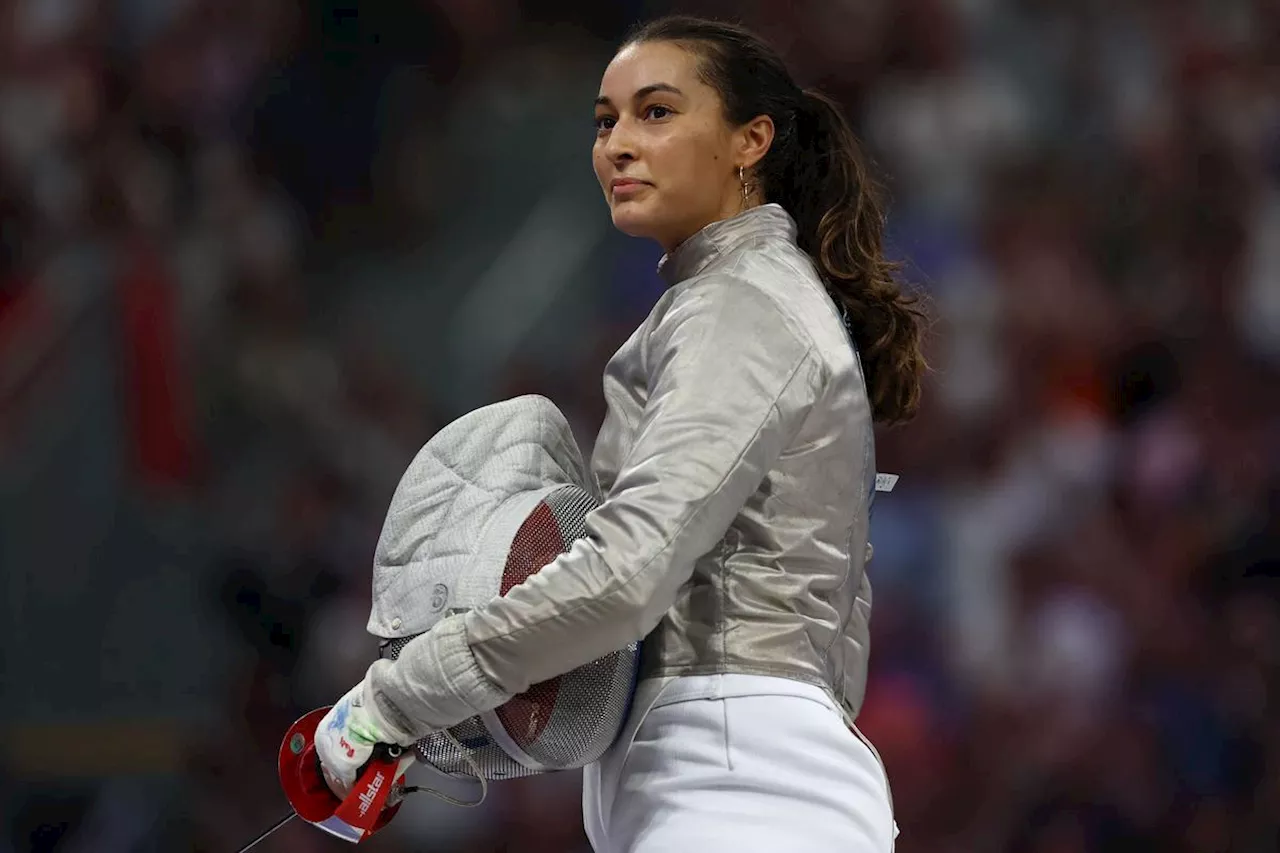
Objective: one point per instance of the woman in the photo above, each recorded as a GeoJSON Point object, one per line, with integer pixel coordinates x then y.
{"type": "Point", "coordinates": [738, 466]}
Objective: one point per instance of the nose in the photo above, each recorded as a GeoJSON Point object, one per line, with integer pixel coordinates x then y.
{"type": "Point", "coordinates": [620, 146]}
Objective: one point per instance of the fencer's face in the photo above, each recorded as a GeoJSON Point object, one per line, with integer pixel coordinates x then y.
{"type": "Point", "coordinates": [664, 154]}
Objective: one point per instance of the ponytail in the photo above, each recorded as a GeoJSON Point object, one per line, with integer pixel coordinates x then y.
{"type": "Point", "coordinates": [828, 189]}
{"type": "Point", "coordinates": [816, 170]}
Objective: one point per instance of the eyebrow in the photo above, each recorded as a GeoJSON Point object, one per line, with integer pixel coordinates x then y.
{"type": "Point", "coordinates": [642, 93]}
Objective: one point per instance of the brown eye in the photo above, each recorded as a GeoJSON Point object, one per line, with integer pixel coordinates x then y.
{"type": "Point", "coordinates": [658, 112]}
{"type": "Point", "coordinates": [604, 123]}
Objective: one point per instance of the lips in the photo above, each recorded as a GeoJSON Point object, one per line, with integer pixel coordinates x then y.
{"type": "Point", "coordinates": [623, 184]}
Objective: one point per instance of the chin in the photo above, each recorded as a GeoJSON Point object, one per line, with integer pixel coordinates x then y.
{"type": "Point", "coordinates": [633, 219]}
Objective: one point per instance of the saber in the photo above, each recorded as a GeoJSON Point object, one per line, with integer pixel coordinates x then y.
{"type": "Point", "coordinates": [281, 822]}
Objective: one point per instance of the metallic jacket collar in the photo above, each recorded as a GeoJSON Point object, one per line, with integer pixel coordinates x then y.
{"type": "Point", "coordinates": [694, 255]}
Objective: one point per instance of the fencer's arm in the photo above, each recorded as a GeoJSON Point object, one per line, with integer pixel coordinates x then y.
{"type": "Point", "coordinates": [731, 380]}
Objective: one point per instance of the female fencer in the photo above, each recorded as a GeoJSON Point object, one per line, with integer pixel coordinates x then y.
{"type": "Point", "coordinates": [737, 467]}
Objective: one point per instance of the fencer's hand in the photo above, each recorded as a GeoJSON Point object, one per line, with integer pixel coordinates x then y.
{"type": "Point", "coordinates": [346, 737]}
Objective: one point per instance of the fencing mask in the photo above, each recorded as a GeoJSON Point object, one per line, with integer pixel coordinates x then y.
{"type": "Point", "coordinates": [488, 501]}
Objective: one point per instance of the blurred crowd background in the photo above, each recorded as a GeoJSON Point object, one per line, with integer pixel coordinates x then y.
{"type": "Point", "coordinates": [253, 253]}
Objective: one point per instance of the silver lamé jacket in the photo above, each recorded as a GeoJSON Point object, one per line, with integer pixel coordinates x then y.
{"type": "Point", "coordinates": [737, 465]}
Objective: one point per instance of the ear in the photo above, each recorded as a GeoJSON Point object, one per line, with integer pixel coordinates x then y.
{"type": "Point", "coordinates": [754, 139]}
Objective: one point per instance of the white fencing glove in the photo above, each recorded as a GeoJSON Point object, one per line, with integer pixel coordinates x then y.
{"type": "Point", "coordinates": [346, 737]}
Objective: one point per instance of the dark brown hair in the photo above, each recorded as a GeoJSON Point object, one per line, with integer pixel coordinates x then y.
{"type": "Point", "coordinates": [817, 172]}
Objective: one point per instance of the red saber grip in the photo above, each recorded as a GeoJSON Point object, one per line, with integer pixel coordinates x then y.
{"type": "Point", "coordinates": [363, 807]}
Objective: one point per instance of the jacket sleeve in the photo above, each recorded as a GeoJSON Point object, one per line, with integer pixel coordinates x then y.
{"type": "Point", "coordinates": [730, 382]}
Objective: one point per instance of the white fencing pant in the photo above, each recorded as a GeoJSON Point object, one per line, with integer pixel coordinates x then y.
{"type": "Point", "coordinates": [737, 764]}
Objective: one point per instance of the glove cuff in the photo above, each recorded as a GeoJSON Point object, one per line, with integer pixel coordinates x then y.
{"type": "Point", "coordinates": [433, 684]}
{"type": "Point", "coordinates": [384, 730]}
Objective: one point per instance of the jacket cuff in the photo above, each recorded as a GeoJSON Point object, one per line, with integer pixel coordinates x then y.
{"type": "Point", "coordinates": [433, 684]}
